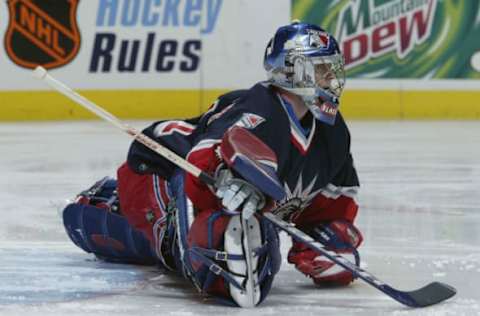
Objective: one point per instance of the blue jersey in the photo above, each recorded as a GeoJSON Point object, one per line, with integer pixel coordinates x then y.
{"type": "Point", "coordinates": [314, 160]}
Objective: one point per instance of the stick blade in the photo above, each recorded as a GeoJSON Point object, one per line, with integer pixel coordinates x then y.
{"type": "Point", "coordinates": [431, 294]}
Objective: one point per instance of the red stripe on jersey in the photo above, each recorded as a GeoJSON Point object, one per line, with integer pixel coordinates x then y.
{"type": "Point", "coordinates": [298, 145]}
{"type": "Point", "coordinates": [175, 126]}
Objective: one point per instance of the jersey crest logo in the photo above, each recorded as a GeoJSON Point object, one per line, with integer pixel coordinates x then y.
{"type": "Point", "coordinates": [42, 32]}
{"type": "Point", "coordinates": [250, 121]}
{"type": "Point", "coordinates": [297, 199]}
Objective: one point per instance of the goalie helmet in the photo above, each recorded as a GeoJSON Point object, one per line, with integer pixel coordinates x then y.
{"type": "Point", "coordinates": [306, 60]}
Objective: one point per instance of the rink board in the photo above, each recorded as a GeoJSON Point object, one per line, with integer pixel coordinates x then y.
{"type": "Point", "coordinates": [188, 54]}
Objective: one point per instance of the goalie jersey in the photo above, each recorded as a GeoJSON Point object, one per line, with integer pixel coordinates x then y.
{"type": "Point", "coordinates": [314, 159]}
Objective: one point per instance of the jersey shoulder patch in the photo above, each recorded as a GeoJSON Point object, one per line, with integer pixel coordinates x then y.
{"type": "Point", "coordinates": [250, 120]}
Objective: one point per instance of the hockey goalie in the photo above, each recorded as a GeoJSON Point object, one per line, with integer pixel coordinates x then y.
{"type": "Point", "coordinates": [280, 146]}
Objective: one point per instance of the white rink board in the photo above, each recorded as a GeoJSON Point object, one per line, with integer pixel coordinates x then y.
{"type": "Point", "coordinates": [233, 35]}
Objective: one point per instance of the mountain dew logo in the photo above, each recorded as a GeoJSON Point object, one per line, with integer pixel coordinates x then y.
{"type": "Point", "coordinates": [367, 31]}
{"type": "Point", "coordinates": [429, 39]}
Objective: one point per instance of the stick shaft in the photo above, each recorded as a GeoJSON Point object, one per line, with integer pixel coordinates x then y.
{"type": "Point", "coordinates": [42, 74]}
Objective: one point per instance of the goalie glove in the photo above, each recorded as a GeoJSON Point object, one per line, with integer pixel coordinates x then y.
{"type": "Point", "coordinates": [235, 193]}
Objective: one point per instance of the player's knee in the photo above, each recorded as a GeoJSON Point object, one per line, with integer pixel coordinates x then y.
{"type": "Point", "coordinates": [218, 260]}
{"type": "Point", "coordinates": [340, 236]}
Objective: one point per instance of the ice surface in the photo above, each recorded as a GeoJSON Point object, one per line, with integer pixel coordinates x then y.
{"type": "Point", "coordinates": [419, 215]}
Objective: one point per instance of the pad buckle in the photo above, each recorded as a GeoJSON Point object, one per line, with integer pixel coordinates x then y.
{"type": "Point", "coordinates": [221, 255]}
{"type": "Point", "coordinates": [216, 269]}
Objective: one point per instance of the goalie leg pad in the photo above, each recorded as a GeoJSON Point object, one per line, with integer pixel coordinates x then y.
{"type": "Point", "coordinates": [218, 259]}
{"type": "Point", "coordinates": [107, 235]}
{"type": "Point", "coordinates": [234, 244]}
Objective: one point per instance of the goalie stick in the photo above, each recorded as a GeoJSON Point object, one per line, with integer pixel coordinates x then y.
{"type": "Point", "coordinates": [430, 294]}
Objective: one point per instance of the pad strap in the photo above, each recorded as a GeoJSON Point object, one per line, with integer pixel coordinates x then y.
{"type": "Point", "coordinates": [215, 269]}
{"type": "Point", "coordinates": [217, 255]}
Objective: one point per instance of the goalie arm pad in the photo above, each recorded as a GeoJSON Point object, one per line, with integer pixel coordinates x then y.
{"type": "Point", "coordinates": [326, 209]}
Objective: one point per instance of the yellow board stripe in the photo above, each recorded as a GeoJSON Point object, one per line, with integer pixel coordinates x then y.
{"type": "Point", "coordinates": [134, 104]}
{"type": "Point", "coordinates": [156, 104]}
{"type": "Point", "coordinates": [411, 104]}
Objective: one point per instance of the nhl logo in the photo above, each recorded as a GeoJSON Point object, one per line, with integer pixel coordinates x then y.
{"type": "Point", "coordinates": [42, 32]}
